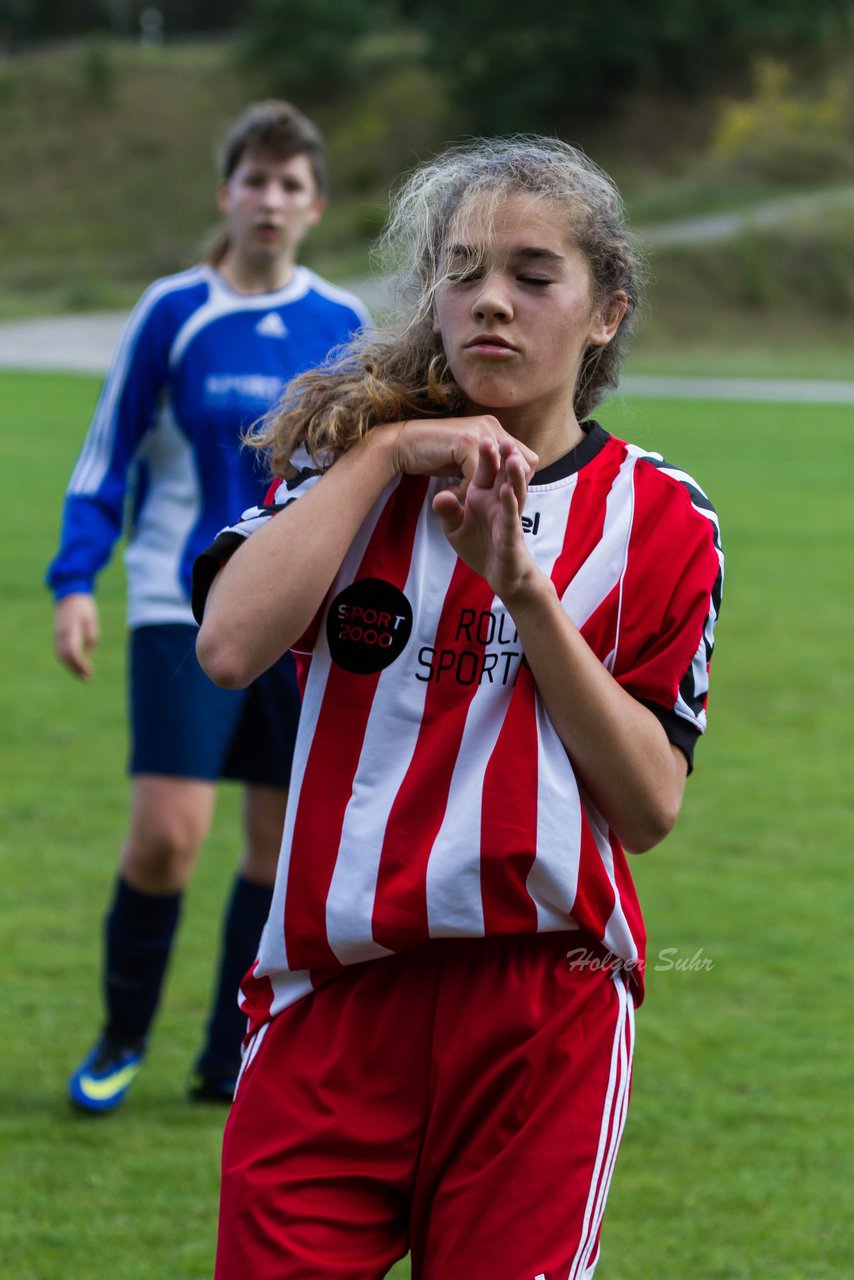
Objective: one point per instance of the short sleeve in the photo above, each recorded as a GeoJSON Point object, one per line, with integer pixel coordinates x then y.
{"type": "Point", "coordinates": [671, 601]}
{"type": "Point", "coordinates": [281, 493]}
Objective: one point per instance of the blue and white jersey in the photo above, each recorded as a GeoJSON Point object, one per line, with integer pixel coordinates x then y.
{"type": "Point", "coordinates": [198, 363]}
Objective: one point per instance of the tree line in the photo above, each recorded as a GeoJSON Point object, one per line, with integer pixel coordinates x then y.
{"type": "Point", "coordinates": [535, 65]}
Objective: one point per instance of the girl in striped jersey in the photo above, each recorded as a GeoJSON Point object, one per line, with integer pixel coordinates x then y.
{"type": "Point", "coordinates": [505, 619]}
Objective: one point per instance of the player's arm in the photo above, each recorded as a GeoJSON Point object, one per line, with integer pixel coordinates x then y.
{"type": "Point", "coordinates": [619, 749]}
{"type": "Point", "coordinates": [93, 509]}
{"type": "Point", "coordinates": [632, 772]}
{"type": "Point", "coordinates": [269, 591]}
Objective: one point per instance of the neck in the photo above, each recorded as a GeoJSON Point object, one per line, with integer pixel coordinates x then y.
{"type": "Point", "coordinates": [246, 275]}
{"type": "Point", "coordinates": [548, 435]}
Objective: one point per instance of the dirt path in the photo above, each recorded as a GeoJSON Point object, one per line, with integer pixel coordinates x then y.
{"type": "Point", "coordinates": [84, 344]}
{"type": "Point", "coordinates": [770, 213]}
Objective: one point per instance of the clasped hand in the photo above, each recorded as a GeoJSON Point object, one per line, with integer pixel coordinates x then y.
{"type": "Point", "coordinates": [480, 512]}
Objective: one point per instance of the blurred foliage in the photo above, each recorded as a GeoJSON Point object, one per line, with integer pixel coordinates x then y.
{"type": "Point", "coordinates": [531, 67]}
{"type": "Point", "coordinates": [99, 71]}
{"type": "Point", "coordinates": [28, 20]}
{"type": "Point", "coordinates": [537, 67]}
{"type": "Point", "coordinates": [776, 108]}
{"type": "Point", "coordinates": [309, 50]}
{"type": "Point", "coordinates": [783, 128]}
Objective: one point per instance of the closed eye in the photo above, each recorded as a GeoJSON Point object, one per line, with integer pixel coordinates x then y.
{"type": "Point", "coordinates": [535, 280]}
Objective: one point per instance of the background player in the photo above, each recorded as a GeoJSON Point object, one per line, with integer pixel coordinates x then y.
{"type": "Point", "coordinates": [509, 619]}
{"type": "Point", "coordinates": [205, 353]}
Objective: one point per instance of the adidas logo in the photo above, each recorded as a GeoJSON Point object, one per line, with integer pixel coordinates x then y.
{"type": "Point", "coordinates": [272, 326]}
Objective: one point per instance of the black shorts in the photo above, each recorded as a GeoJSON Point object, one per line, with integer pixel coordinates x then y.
{"type": "Point", "coordinates": [183, 726]}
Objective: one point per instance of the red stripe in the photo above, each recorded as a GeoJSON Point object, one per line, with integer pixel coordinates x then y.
{"type": "Point", "coordinates": [509, 823]}
{"type": "Point", "coordinates": [595, 895]}
{"type": "Point", "coordinates": [587, 513]}
{"type": "Point", "coordinates": [634, 919]}
{"type": "Point", "coordinates": [256, 998]}
{"type": "Point", "coordinates": [400, 912]}
{"type": "Point", "coordinates": [509, 817]}
{"type": "Point", "coordinates": [336, 749]}
{"type": "Point", "coordinates": [672, 560]}
{"type": "Point", "coordinates": [600, 629]}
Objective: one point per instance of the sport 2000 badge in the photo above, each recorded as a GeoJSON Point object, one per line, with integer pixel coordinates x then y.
{"type": "Point", "coordinates": [368, 626]}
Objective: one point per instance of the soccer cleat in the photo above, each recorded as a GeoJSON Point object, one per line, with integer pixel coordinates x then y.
{"type": "Point", "coordinates": [212, 1086]}
{"type": "Point", "coordinates": [104, 1076]}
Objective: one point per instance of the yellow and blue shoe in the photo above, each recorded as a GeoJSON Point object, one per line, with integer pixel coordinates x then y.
{"type": "Point", "coordinates": [104, 1076]}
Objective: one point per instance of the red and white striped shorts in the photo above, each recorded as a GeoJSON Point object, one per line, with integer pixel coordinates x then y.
{"type": "Point", "coordinates": [464, 1100]}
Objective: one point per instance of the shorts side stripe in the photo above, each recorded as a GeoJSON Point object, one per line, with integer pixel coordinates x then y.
{"type": "Point", "coordinates": [613, 1120]}
{"type": "Point", "coordinates": [250, 1051]}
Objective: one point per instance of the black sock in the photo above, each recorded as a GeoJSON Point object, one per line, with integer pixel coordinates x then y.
{"type": "Point", "coordinates": [139, 931]}
{"type": "Point", "coordinates": [246, 913]}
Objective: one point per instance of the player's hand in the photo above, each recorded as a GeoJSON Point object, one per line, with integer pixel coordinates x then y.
{"type": "Point", "coordinates": [482, 518]}
{"type": "Point", "coordinates": [450, 446]}
{"type": "Point", "coordinates": [76, 633]}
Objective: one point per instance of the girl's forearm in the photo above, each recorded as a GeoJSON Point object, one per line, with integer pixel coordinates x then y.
{"type": "Point", "coordinates": [265, 597]}
{"type": "Point", "coordinates": [619, 749]}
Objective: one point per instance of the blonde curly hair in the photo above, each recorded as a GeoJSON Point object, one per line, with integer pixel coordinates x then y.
{"type": "Point", "coordinates": [399, 370]}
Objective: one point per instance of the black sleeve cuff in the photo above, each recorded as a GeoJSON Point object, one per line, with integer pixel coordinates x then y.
{"type": "Point", "coordinates": [678, 731]}
{"type": "Point", "coordinates": [208, 565]}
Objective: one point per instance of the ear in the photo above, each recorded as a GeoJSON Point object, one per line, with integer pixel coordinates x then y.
{"type": "Point", "coordinates": [223, 197]}
{"type": "Point", "coordinates": [317, 211]}
{"type": "Point", "coordinates": [607, 319]}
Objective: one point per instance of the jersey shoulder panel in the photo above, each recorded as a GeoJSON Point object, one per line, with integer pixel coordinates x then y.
{"type": "Point", "coordinates": [671, 596]}
{"type": "Point", "coordinates": [682, 489]}
{"type": "Point", "coordinates": [342, 297]}
{"type": "Point", "coordinates": [171, 299]}
{"type": "Point", "coordinates": [280, 494]}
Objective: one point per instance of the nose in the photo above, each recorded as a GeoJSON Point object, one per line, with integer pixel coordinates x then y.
{"type": "Point", "coordinates": [492, 300]}
{"type": "Point", "coordinates": [272, 195]}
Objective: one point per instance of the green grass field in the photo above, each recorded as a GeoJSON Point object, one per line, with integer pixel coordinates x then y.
{"type": "Point", "coordinates": [737, 1160]}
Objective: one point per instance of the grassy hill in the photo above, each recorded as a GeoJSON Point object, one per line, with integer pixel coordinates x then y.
{"type": "Point", "coordinates": [107, 167]}
{"type": "Point", "coordinates": [107, 180]}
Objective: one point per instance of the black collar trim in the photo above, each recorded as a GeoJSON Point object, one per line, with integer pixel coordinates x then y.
{"type": "Point", "coordinates": [594, 442]}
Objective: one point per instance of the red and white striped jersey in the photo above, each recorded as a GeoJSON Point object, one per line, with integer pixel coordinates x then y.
{"type": "Point", "coordinates": [430, 794]}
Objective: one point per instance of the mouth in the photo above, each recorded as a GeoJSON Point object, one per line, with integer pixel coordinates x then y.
{"type": "Point", "coordinates": [267, 230]}
{"type": "Point", "coordinates": [490, 344]}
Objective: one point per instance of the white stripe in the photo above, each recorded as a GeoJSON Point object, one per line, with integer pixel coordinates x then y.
{"type": "Point", "coordinates": [620, 1112]}
{"type": "Point", "coordinates": [617, 936]}
{"type": "Point", "coordinates": [250, 1051]}
{"type": "Point", "coordinates": [222, 301]}
{"type": "Point", "coordinates": [454, 895]}
{"type": "Point", "coordinates": [613, 1119]}
{"type": "Point", "coordinates": [288, 987]}
{"type": "Point", "coordinates": [399, 701]}
{"type": "Point", "coordinates": [604, 567]}
{"type": "Point", "coordinates": [272, 952]}
{"type": "Point", "coordinates": [343, 296]}
{"type": "Point", "coordinates": [700, 687]}
{"type": "Point", "coordinates": [610, 659]}
{"type": "Point", "coordinates": [553, 878]}
{"type": "Point", "coordinates": [154, 556]}
{"type": "Point", "coordinates": [94, 460]}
